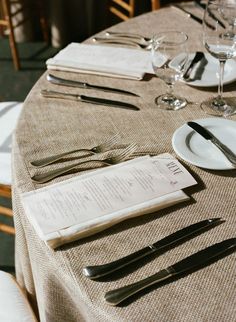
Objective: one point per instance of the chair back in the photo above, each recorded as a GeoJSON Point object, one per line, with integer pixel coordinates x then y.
{"type": "Point", "coordinates": [14, 305]}
{"type": "Point", "coordinates": [9, 114]}
{"type": "Point", "coordinates": [125, 9]}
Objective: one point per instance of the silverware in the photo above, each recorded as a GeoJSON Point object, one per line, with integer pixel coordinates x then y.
{"type": "Point", "coordinates": [122, 41]}
{"type": "Point", "coordinates": [203, 6]}
{"type": "Point", "coordinates": [206, 134]}
{"type": "Point", "coordinates": [198, 56]}
{"type": "Point", "coordinates": [66, 82]}
{"type": "Point", "coordinates": [195, 261]}
{"type": "Point", "coordinates": [127, 35]}
{"type": "Point", "coordinates": [88, 99]}
{"type": "Point", "coordinates": [200, 4]}
{"type": "Point", "coordinates": [42, 178]}
{"type": "Point", "coordinates": [190, 15]}
{"type": "Point", "coordinates": [103, 147]}
{"type": "Point", "coordinates": [160, 247]}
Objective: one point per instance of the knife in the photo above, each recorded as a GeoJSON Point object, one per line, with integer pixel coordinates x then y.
{"type": "Point", "coordinates": [199, 20]}
{"type": "Point", "coordinates": [197, 57]}
{"type": "Point", "coordinates": [88, 99]}
{"type": "Point", "coordinates": [194, 261]}
{"type": "Point", "coordinates": [67, 82]}
{"type": "Point", "coordinates": [210, 137]}
{"type": "Point", "coordinates": [160, 246]}
{"type": "Point", "coordinates": [203, 6]}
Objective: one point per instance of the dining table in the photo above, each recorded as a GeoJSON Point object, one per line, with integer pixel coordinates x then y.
{"type": "Point", "coordinates": [53, 278]}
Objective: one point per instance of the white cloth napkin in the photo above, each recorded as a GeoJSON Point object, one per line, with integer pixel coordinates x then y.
{"type": "Point", "coordinates": [102, 60]}
{"type": "Point", "coordinates": [75, 232]}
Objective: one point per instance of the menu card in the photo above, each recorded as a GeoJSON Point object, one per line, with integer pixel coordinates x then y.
{"type": "Point", "coordinates": [94, 201]}
{"type": "Point", "coordinates": [102, 60]}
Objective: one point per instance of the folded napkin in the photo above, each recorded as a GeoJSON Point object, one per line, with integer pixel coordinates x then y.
{"type": "Point", "coordinates": [89, 203]}
{"type": "Point", "coordinates": [102, 60]}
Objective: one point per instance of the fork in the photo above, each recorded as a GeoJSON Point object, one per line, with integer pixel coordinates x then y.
{"type": "Point", "coordinates": [103, 147]}
{"type": "Point", "coordinates": [128, 35]}
{"type": "Point", "coordinates": [42, 178]}
{"type": "Point", "coordinates": [122, 41]}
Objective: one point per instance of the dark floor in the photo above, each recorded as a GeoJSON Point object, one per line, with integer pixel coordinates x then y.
{"type": "Point", "coordinates": [15, 86]}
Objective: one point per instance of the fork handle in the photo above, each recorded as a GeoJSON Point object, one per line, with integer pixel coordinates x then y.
{"type": "Point", "coordinates": [53, 158]}
{"type": "Point", "coordinates": [45, 177]}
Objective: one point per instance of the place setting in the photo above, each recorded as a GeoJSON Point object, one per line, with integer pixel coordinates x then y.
{"type": "Point", "coordinates": [208, 143]}
{"type": "Point", "coordinates": [123, 171]}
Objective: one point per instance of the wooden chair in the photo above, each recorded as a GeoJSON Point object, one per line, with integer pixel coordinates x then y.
{"type": "Point", "coordinates": [126, 9]}
{"type": "Point", "coordinates": [7, 18]}
{"type": "Point", "coordinates": [9, 114]}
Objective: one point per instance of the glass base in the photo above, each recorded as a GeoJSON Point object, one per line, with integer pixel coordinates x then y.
{"type": "Point", "coordinates": [170, 102]}
{"type": "Point", "coordinates": [219, 106]}
{"type": "Point", "coordinates": [230, 35]}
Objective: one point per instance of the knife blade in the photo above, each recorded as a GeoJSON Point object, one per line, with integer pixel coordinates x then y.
{"type": "Point", "coordinates": [206, 134]}
{"type": "Point", "coordinates": [71, 83]}
{"type": "Point", "coordinates": [199, 259]}
{"type": "Point", "coordinates": [88, 99]}
{"type": "Point", "coordinates": [160, 246]}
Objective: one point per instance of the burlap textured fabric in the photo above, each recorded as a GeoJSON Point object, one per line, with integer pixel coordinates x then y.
{"type": "Point", "coordinates": [54, 278]}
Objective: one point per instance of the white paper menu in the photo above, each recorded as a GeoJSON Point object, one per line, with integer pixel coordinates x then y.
{"type": "Point", "coordinates": [91, 202]}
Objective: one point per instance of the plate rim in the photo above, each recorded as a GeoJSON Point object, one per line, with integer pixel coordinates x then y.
{"type": "Point", "coordinates": [200, 121]}
{"type": "Point", "coordinates": [193, 84]}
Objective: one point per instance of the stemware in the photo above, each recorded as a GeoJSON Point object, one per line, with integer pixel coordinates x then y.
{"type": "Point", "coordinates": [169, 59]}
{"type": "Point", "coordinates": [228, 11]}
{"type": "Point", "coordinates": [222, 47]}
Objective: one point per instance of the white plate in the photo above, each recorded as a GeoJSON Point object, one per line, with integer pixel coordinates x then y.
{"type": "Point", "coordinates": [208, 72]}
{"type": "Point", "coordinates": [193, 148]}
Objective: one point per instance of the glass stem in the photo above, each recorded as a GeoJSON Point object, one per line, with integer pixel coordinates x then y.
{"type": "Point", "coordinates": [220, 87]}
{"type": "Point", "coordinates": [170, 90]}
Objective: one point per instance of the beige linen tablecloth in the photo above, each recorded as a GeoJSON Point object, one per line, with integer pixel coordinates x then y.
{"type": "Point", "coordinates": [54, 278]}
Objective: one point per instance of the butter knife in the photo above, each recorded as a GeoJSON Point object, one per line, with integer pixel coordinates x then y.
{"type": "Point", "coordinates": [197, 260]}
{"type": "Point", "coordinates": [197, 57]}
{"type": "Point", "coordinates": [160, 246]}
{"type": "Point", "coordinates": [206, 134]}
{"type": "Point", "coordinates": [88, 99]}
{"type": "Point", "coordinates": [67, 82]}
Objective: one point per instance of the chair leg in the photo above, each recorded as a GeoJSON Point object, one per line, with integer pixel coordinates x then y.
{"type": "Point", "coordinates": [14, 50]}
{"type": "Point", "coordinates": [43, 21]}
{"type": "Point", "coordinates": [155, 4]}
{"type": "Point", "coordinates": [6, 211]}
{"type": "Point", "coordinates": [7, 229]}
{"type": "Point", "coordinates": [3, 227]}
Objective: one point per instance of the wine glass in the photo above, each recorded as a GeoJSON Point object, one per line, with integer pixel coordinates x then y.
{"type": "Point", "coordinates": [228, 11]}
{"type": "Point", "coordinates": [222, 47]}
{"type": "Point", "coordinates": [169, 59]}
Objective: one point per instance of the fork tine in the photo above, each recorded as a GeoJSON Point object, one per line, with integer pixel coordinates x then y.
{"type": "Point", "coordinates": [126, 152]}
{"type": "Point", "coordinates": [110, 141]}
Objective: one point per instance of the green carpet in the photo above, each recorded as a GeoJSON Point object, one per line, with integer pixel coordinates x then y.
{"type": "Point", "coordinates": [15, 86]}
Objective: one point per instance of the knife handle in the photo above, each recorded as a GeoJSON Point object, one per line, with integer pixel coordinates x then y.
{"type": "Point", "coordinates": [66, 82]}
{"type": "Point", "coordinates": [225, 150]}
{"type": "Point", "coordinates": [54, 94]}
{"type": "Point", "coordinates": [97, 271]}
{"type": "Point", "coordinates": [118, 295]}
